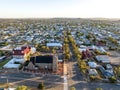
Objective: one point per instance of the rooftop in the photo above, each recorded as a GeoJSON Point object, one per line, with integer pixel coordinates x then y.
{"type": "Point", "coordinates": [42, 59]}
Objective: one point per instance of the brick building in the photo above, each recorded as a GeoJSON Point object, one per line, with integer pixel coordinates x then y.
{"type": "Point", "coordinates": [47, 62]}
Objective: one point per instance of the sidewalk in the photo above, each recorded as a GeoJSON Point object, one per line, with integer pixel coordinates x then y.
{"type": "Point", "coordinates": [65, 77]}
{"type": "Point", "coordinates": [65, 69]}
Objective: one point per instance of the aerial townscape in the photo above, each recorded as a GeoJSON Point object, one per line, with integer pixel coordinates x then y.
{"type": "Point", "coordinates": [60, 54]}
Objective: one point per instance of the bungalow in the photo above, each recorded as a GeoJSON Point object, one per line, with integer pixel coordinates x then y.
{"type": "Point", "coordinates": [109, 68]}
{"type": "Point", "coordinates": [105, 72]}
{"type": "Point", "coordinates": [82, 48]}
{"type": "Point", "coordinates": [91, 47]}
{"type": "Point", "coordinates": [93, 72]}
{"type": "Point", "coordinates": [103, 58]}
{"type": "Point", "coordinates": [54, 45]}
{"type": "Point", "coordinates": [102, 49]}
{"type": "Point", "coordinates": [2, 58]}
{"type": "Point", "coordinates": [92, 64]}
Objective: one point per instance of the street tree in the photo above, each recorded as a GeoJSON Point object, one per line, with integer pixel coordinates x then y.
{"type": "Point", "coordinates": [22, 88]}
{"type": "Point", "coordinates": [41, 86]}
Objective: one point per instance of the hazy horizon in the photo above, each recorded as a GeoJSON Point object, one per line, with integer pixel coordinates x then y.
{"type": "Point", "coordinates": [59, 9]}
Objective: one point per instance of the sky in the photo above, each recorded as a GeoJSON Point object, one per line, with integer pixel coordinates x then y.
{"type": "Point", "coordinates": [59, 8]}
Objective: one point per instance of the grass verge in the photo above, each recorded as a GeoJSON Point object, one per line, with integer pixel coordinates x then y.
{"type": "Point", "coordinates": [3, 63]}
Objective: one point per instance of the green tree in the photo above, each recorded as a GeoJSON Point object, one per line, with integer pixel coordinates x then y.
{"type": "Point", "coordinates": [99, 89]}
{"type": "Point", "coordinates": [6, 43]}
{"type": "Point", "coordinates": [41, 86]}
{"type": "Point", "coordinates": [38, 47]}
{"type": "Point", "coordinates": [92, 78]}
{"type": "Point", "coordinates": [98, 52]}
{"type": "Point", "coordinates": [2, 53]}
{"type": "Point", "coordinates": [22, 87]}
{"type": "Point", "coordinates": [72, 88]}
{"type": "Point", "coordinates": [112, 79]}
{"type": "Point", "coordinates": [53, 51]}
{"type": "Point", "coordinates": [113, 40]}
{"type": "Point", "coordinates": [67, 56]}
{"type": "Point", "coordinates": [89, 36]}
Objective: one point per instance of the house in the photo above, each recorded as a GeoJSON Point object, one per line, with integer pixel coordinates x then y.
{"type": "Point", "coordinates": [105, 72]}
{"type": "Point", "coordinates": [14, 64]}
{"type": "Point", "coordinates": [92, 47]}
{"type": "Point", "coordinates": [102, 49]}
{"type": "Point", "coordinates": [46, 62]}
{"type": "Point", "coordinates": [100, 43]}
{"type": "Point", "coordinates": [92, 64]}
{"type": "Point", "coordinates": [93, 72]}
{"type": "Point", "coordinates": [19, 54]}
{"type": "Point", "coordinates": [2, 58]}
{"type": "Point", "coordinates": [54, 45]}
{"type": "Point", "coordinates": [103, 58]}
{"type": "Point", "coordinates": [109, 68]}
{"type": "Point", "coordinates": [82, 48]}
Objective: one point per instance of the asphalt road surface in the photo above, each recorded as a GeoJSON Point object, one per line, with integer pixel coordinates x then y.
{"type": "Point", "coordinates": [77, 80]}
{"type": "Point", "coordinates": [52, 82]}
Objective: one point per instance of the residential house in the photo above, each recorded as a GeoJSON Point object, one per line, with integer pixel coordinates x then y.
{"type": "Point", "coordinates": [92, 64]}
{"type": "Point", "coordinates": [103, 58]}
{"type": "Point", "coordinates": [93, 72]}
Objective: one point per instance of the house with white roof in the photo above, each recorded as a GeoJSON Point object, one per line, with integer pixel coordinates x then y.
{"type": "Point", "coordinates": [93, 72]}
{"type": "Point", "coordinates": [92, 64]}
{"type": "Point", "coordinates": [103, 58]}
{"type": "Point", "coordinates": [54, 45]}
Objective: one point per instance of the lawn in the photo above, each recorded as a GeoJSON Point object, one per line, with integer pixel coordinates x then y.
{"type": "Point", "coordinates": [3, 63]}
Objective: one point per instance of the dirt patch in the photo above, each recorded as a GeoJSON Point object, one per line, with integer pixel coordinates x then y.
{"type": "Point", "coordinates": [114, 54]}
{"type": "Point", "coordinates": [115, 57]}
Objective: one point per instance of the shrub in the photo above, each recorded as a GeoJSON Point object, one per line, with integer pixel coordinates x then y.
{"type": "Point", "coordinates": [112, 79]}
{"type": "Point", "coordinates": [99, 89]}
{"type": "Point", "coordinates": [92, 77]}
{"type": "Point", "coordinates": [72, 88]}
{"type": "Point", "coordinates": [41, 86]}
{"type": "Point", "coordinates": [22, 87]}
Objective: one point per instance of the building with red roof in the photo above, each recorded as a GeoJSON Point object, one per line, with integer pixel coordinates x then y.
{"type": "Point", "coordinates": [19, 52]}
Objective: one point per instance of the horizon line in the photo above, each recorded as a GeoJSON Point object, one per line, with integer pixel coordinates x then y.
{"type": "Point", "coordinates": [58, 18]}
